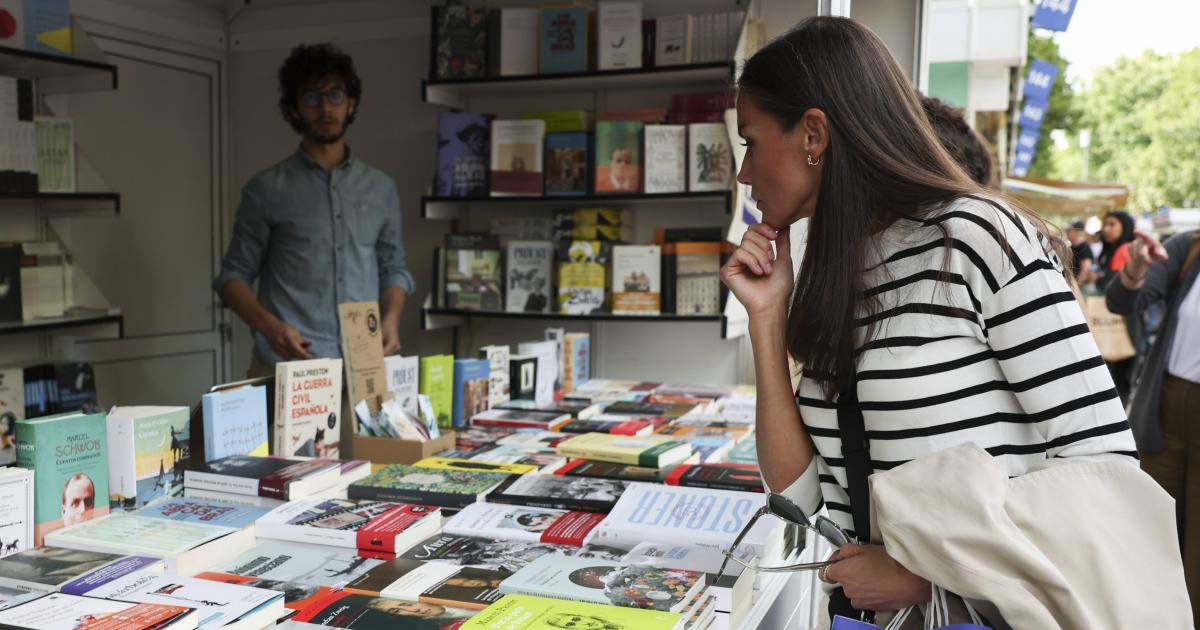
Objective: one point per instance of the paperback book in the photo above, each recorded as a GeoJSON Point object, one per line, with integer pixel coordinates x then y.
{"type": "Point", "coordinates": [516, 157]}
{"type": "Point", "coordinates": [577, 360]}
{"type": "Point", "coordinates": [452, 463]}
{"type": "Point", "coordinates": [565, 39]}
{"type": "Point", "coordinates": [498, 381]}
{"type": "Point", "coordinates": [274, 477]}
{"type": "Point", "coordinates": [608, 470]}
{"type": "Point", "coordinates": [403, 381]}
{"type": "Point", "coordinates": [460, 45]}
{"type": "Point", "coordinates": [425, 486]}
{"type": "Point", "coordinates": [637, 284]}
{"type": "Point", "coordinates": [435, 583]}
{"type": "Point", "coordinates": [218, 604]}
{"type": "Point", "coordinates": [345, 609]}
{"type": "Point", "coordinates": [710, 157]}
{"type": "Point", "coordinates": [148, 453]}
{"type": "Point", "coordinates": [543, 613]}
{"type": "Point", "coordinates": [529, 265]}
{"type": "Point", "coordinates": [512, 522]}
{"type": "Point", "coordinates": [306, 568]}
{"type": "Point", "coordinates": [649, 451]}
{"type": "Point", "coordinates": [618, 156]}
{"type": "Point", "coordinates": [619, 35]}
{"type": "Point", "coordinates": [567, 163]}
{"type": "Point", "coordinates": [437, 382]}
{"type": "Point", "coordinates": [614, 425]}
{"type": "Point", "coordinates": [373, 528]}
{"type": "Point", "coordinates": [513, 41]}
{"type": "Point", "coordinates": [308, 403]}
{"type": "Point", "coordinates": [666, 158]}
{"type": "Point", "coordinates": [16, 510]}
{"type": "Point", "coordinates": [462, 155]}
{"type": "Point", "coordinates": [70, 454]}
{"type": "Point", "coordinates": [473, 278]}
{"type": "Point", "coordinates": [584, 494]}
{"type": "Point", "coordinates": [52, 569]}
{"type": "Point", "coordinates": [606, 582]}
{"type": "Point", "coordinates": [500, 555]}
{"type": "Point", "coordinates": [582, 278]}
{"type": "Point", "coordinates": [235, 422]}
{"type": "Point", "coordinates": [516, 418]}
{"type": "Point", "coordinates": [12, 381]}
{"type": "Point", "coordinates": [472, 380]}
{"type": "Point", "coordinates": [60, 610]}
{"type": "Point", "coordinates": [203, 511]}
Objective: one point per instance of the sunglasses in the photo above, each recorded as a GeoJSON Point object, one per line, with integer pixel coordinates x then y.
{"type": "Point", "coordinates": [312, 98]}
{"type": "Point", "coordinates": [781, 507]}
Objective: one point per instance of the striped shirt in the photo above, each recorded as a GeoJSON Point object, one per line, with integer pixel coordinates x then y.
{"type": "Point", "coordinates": [982, 343]}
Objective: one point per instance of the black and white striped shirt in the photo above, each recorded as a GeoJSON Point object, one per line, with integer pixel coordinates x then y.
{"type": "Point", "coordinates": [988, 347]}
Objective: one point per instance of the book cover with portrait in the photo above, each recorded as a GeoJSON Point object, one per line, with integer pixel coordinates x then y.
{"type": "Point", "coordinates": [70, 454]}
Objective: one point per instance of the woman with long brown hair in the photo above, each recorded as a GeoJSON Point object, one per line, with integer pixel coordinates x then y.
{"type": "Point", "coordinates": [927, 310]}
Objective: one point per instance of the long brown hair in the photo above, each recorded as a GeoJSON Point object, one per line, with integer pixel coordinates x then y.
{"type": "Point", "coordinates": [883, 162]}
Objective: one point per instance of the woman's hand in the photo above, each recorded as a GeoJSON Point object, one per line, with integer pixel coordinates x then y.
{"type": "Point", "coordinates": [872, 580]}
{"type": "Point", "coordinates": [1142, 253]}
{"type": "Point", "coordinates": [761, 279]}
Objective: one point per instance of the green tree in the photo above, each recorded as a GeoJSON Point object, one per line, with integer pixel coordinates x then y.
{"type": "Point", "coordinates": [1061, 112]}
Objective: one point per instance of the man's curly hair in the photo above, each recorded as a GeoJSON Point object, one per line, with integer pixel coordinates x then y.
{"type": "Point", "coordinates": [965, 145]}
{"type": "Point", "coordinates": [308, 64]}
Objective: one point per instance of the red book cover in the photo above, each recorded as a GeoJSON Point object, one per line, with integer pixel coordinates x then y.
{"type": "Point", "coordinates": [379, 535]}
{"type": "Point", "coordinates": [517, 182]}
{"type": "Point", "coordinates": [572, 528]}
{"type": "Point", "coordinates": [275, 485]}
{"type": "Point", "coordinates": [725, 99]}
{"type": "Point", "coordinates": [140, 616]}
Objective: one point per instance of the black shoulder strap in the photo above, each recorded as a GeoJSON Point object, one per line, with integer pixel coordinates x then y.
{"type": "Point", "coordinates": [857, 455]}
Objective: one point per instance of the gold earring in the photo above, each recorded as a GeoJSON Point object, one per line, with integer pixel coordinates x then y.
{"type": "Point", "coordinates": [812, 162]}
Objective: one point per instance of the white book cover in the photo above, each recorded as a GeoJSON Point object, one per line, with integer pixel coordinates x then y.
{"type": "Point", "coordinates": [637, 285]}
{"type": "Point", "coordinates": [547, 367]}
{"type": "Point", "coordinates": [16, 510]}
{"type": "Point", "coordinates": [12, 408]}
{"type": "Point", "coordinates": [700, 517]}
{"type": "Point", "coordinates": [502, 522]}
{"type": "Point", "coordinates": [374, 526]}
{"type": "Point", "coordinates": [529, 268]}
{"type": "Point", "coordinates": [498, 378]}
{"type": "Point", "coordinates": [710, 157]}
{"type": "Point", "coordinates": [665, 158]}
{"type": "Point", "coordinates": [219, 603]}
{"type": "Point", "coordinates": [516, 157]}
{"type": "Point", "coordinates": [403, 381]}
{"type": "Point", "coordinates": [410, 586]}
{"type": "Point", "coordinates": [559, 337]}
{"type": "Point", "coordinates": [148, 449]}
{"type": "Point", "coordinates": [59, 611]}
{"type": "Point", "coordinates": [619, 40]}
{"type": "Point", "coordinates": [308, 406]}
{"type": "Point", "coordinates": [673, 40]}
{"type": "Point", "coordinates": [520, 41]}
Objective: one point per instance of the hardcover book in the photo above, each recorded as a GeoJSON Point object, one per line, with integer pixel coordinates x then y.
{"type": "Point", "coordinates": [462, 155]}
{"type": "Point", "coordinates": [584, 494]}
{"type": "Point", "coordinates": [149, 451]}
{"type": "Point", "coordinates": [69, 453]}
{"type": "Point", "coordinates": [472, 275]}
{"type": "Point", "coordinates": [565, 39]}
{"type": "Point", "coordinates": [666, 158]}
{"type": "Point", "coordinates": [374, 528]}
{"type": "Point", "coordinates": [637, 284]}
{"type": "Point", "coordinates": [618, 156]}
{"type": "Point", "coordinates": [16, 510]}
{"type": "Point", "coordinates": [567, 164]}
{"type": "Point", "coordinates": [543, 613]}
{"type": "Point", "coordinates": [619, 37]}
{"type": "Point", "coordinates": [308, 403]}
{"type": "Point", "coordinates": [607, 582]}
{"type": "Point", "coordinates": [437, 382]}
{"type": "Point", "coordinates": [60, 610]}
{"type": "Point", "coordinates": [471, 383]}
{"type": "Point", "coordinates": [649, 451]}
{"type": "Point", "coordinates": [582, 278]}
{"type": "Point", "coordinates": [710, 157]}
{"type": "Point", "coordinates": [498, 555]}
{"type": "Point", "coordinates": [403, 381]}
{"type": "Point", "coordinates": [202, 511]}
{"type": "Point", "coordinates": [511, 522]}
{"type": "Point", "coordinates": [498, 378]}
{"type": "Point", "coordinates": [460, 48]}
{"type": "Point", "coordinates": [274, 477]}
{"type": "Point", "coordinates": [516, 158]}
{"type": "Point", "coordinates": [425, 486]}
{"type": "Point", "coordinates": [235, 422]}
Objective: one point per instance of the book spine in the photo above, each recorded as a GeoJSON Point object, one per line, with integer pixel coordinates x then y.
{"type": "Point", "coordinates": [418, 497]}
{"type": "Point", "coordinates": [515, 424]}
{"type": "Point", "coordinates": [633, 459]}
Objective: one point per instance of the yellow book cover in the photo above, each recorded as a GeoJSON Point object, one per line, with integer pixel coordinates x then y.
{"type": "Point", "coordinates": [636, 450]}
{"type": "Point", "coordinates": [451, 463]}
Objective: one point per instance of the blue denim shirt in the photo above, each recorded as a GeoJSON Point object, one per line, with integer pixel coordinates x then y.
{"type": "Point", "coordinates": [315, 239]}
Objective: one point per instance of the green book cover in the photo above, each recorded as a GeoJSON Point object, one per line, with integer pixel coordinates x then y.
{"type": "Point", "coordinates": [437, 382]}
{"type": "Point", "coordinates": [69, 452]}
{"type": "Point", "coordinates": [148, 449]}
{"type": "Point", "coordinates": [521, 612]}
{"type": "Point", "coordinates": [618, 156]}
{"type": "Point", "coordinates": [425, 486]}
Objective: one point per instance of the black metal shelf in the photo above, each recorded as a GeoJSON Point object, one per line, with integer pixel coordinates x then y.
{"type": "Point", "coordinates": [436, 207]}
{"type": "Point", "coordinates": [82, 204]}
{"type": "Point", "coordinates": [453, 92]}
{"type": "Point", "coordinates": [79, 319]}
{"type": "Point", "coordinates": [598, 317]}
{"type": "Point", "coordinates": [57, 74]}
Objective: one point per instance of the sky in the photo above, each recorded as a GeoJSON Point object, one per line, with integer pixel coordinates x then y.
{"type": "Point", "coordinates": [1103, 30]}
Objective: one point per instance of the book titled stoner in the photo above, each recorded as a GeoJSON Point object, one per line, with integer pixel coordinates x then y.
{"type": "Point", "coordinates": [308, 403]}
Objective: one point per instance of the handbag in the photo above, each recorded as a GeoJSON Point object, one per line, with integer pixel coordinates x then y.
{"type": "Point", "coordinates": [857, 455]}
{"type": "Point", "coordinates": [1112, 336]}
{"type": "Point", "coordinates": [938, 616]}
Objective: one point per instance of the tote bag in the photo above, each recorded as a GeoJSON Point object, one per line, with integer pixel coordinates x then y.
{"type": "Point", "coordinates": [1109, 330]}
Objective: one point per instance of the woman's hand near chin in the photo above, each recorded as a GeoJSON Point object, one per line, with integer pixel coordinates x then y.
{"type": "Point", "coordinates": [761, 279]}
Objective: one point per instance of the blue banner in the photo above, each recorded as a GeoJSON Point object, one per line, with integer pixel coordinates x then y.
{"type": "Point", "coordinates": [1032, 113]}
{"type": "Point", "coordinates": [1054, 15]}
{"type": "Point", "coordinates": [1040, 79]}
{"type": "Point", "coordinates": [1028, 138]}
{"type": "Point", "coordinates": [1021, 162]}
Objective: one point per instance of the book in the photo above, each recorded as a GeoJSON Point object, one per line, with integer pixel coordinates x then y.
{"type": "Point", "coordinates": [741, 477]}
{"type": "Point", "coordinates": [618, 156]}
{"type": "Point", "coordinates": [649, 451]}
{"type": "Point", "coordinates": [607, 582]}
{"type": "Point", "coordinates": [567, 168]}
{"type": "Point", "coordinates": [513, 41]}
{"type": "Point", "coordinates": [544, 461]}
{"type": "Point", "coordinates": [273, 477]}
{"type": "Point", "coordinates": [60, 610]}
{"type": "Point", "coordinates": [544, 420]}
{"type": "Point", "coordinates": [710, 158]}
{"type": "Point", "coordinates": [11, 597]}
{"type": "Point", "coordinates": [609, 470]}
{"type": "Point", "coordinates": [425, 486]}
{"type": "Point", "coordinates": [148, 453]}
{"type": "Point", "coordinates": [460, 42]}
{"type": "Point", "coordinates": [563, 120]}
{"type": "Point", "coordinates": [619, 35]}
{"type": "Point", "coordinates": [437, 583]}
{"type": "Point", "coordinates": [617, 425]}
{"type": "Point", "coordinates": [308, 403]}
{"type": "Point", "coordinates": [733, 590]}
{"type": "Point", "coordinates": [470, 439]}
{"type": "Point", "coordinates": [462, 155]}
{"type": "Point", "coordinates": [744, 452]}
{"type": "Point", "coordinates": [452, 463]}
{"type": "Point", "coordinates": [565, 40]}
{"type": "Point", "coordinates": [666, 158]}
{"type": "Point", "coordinates": [51, 569]}
{"type": "Point", "coordinates": [548, 362]}
{"type": "Point", "coordinates": [473, 275]}
{"type": "Point", "coordinates": [579, 408]}
{"type": "Point", "coordinates": [700, 517]}
{"type": "Point", "coordinates": [673, 39]}
{"type": "Point", "coordinates": [202, 511]}
{"type": "Point", "coordinates": [522, 612]}
{"type": "Point", "coordinates": [373, 528]}
{"type": "Point", "coordinates": [55, 138]}
{"type": "Point", "coordinates": [346, 609]}
{"type": "Point", "coordinates": [686, 428]}
{"type": "Point", "coordinates": [498, 377]}
{"type": "Point", "coordinates": [649, 46]}
{"type": "Point", "coordinates": [558, 335]}
{"type": "Point", "coordinates": [583, 494]}
{"type": "Point", "coordinates": [305, 568]}
{"type": "Point", "coordinates": [498, 555]}
{"type": "Point", "coordinates": [641, 409]}
{"type": "Point", "coordinates": [512, 522]}
{"type": "Point", "coordinates": [220, 605]}
{"type": "Point", "coordinates": [69, 453]}
{"type": "Point", "coordinates": [471, 383]}
{"type": "Point", "coordinates": [186, 547]}
{"type": "Point", "coordinates": [697, 278]}
{"type": "Point", "coordinates": [577, 360]}
{"type": "Point", "coordinates": [235, 422]}
{"type": "Point", "coordinates": [403, 381]}
{"type": "Point", "coordinates": [16, 510]}
{"type": "Point", "coordinates": [637, 284]}
{"type": "Point", "coordinates": [582, 278]}
{"type": "Point", "coordinates": [516, 157]}
{"type": "Point", "coordinates": [254, 501]}
{"type": "Point", "coordinates": [522, 376]}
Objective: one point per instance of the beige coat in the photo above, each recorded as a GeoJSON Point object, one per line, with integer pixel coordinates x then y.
{"type": "Point", "coordinates": [1085, 544]}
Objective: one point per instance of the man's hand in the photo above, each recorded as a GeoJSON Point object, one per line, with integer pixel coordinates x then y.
{"type": "Point", "coordinates": [286, 341]}
{"type": "Point", "coordinates": [391, 337]}
{"type": "Point", "coordinates": [872, 580]}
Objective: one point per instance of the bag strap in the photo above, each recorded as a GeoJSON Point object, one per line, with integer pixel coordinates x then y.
{"type": "Point", "coordinates": [857, 455]}
{"type": "Point", "coordinates": [1192, 255]}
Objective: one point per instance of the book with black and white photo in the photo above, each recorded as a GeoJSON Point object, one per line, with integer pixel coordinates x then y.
{"type": "Point", "coordinates": [636, 279]}
{"type": "Point", "coordinates": [516, 522]}
{"type": "Point", "coordinates": [500, 555]}
{"type": "Point", "coordinates": [400, 483]}
{"type": "Point", "coordinates": [583, 494]}
{"type": "Point", "coordinates": [377, 528]}
{"type": "Point", "coordinates": [529, 268]}
{"type": "Point", "coordinates": [51, 569]}
{"type": "Point", "coordinates": [403, 381]}
{"type": "Point", "coordinates": [710, 158]}
{"type": "Point", "coordinates": [278, 478]}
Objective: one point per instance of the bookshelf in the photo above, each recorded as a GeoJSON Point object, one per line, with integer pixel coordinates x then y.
{"type": "Point", "coordinates": [57, 74]}
{"type": "Point", "coordinates": [77, 319]}
{"type": "Point", "coordinates": [454, 208]}
{"type": "Point", "coordinates": [101, 204]}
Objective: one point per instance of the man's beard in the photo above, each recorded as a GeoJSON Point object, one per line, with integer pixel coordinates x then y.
{"type": "Point", "coordinates": [312, 133]}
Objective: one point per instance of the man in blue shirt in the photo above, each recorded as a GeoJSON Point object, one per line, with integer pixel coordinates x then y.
{"type": "Point", "coordinates": [318, 229]}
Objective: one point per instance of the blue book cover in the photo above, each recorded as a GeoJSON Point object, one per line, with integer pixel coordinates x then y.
{"type": "Point", "coordinates": [566, 163]}
{"type": "Point", "coordinates": [48, 26]}
{"type": "Point", "coordinates": [204, 511]}
{"type": "Point", "coordinates": [564, 40]}
{"type": "Point", "coordinates": [471, 381]}
{"type": "Point", "coordinates": [235, 423]}
{"type": "Point", "coordinates": [463, 154]}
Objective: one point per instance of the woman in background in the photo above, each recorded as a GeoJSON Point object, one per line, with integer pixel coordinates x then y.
{"type": "Point", "coordinates": [1117, 233]}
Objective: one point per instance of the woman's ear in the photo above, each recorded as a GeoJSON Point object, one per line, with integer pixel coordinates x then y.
{"type": "Point", "coordinates": [815, 129]}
